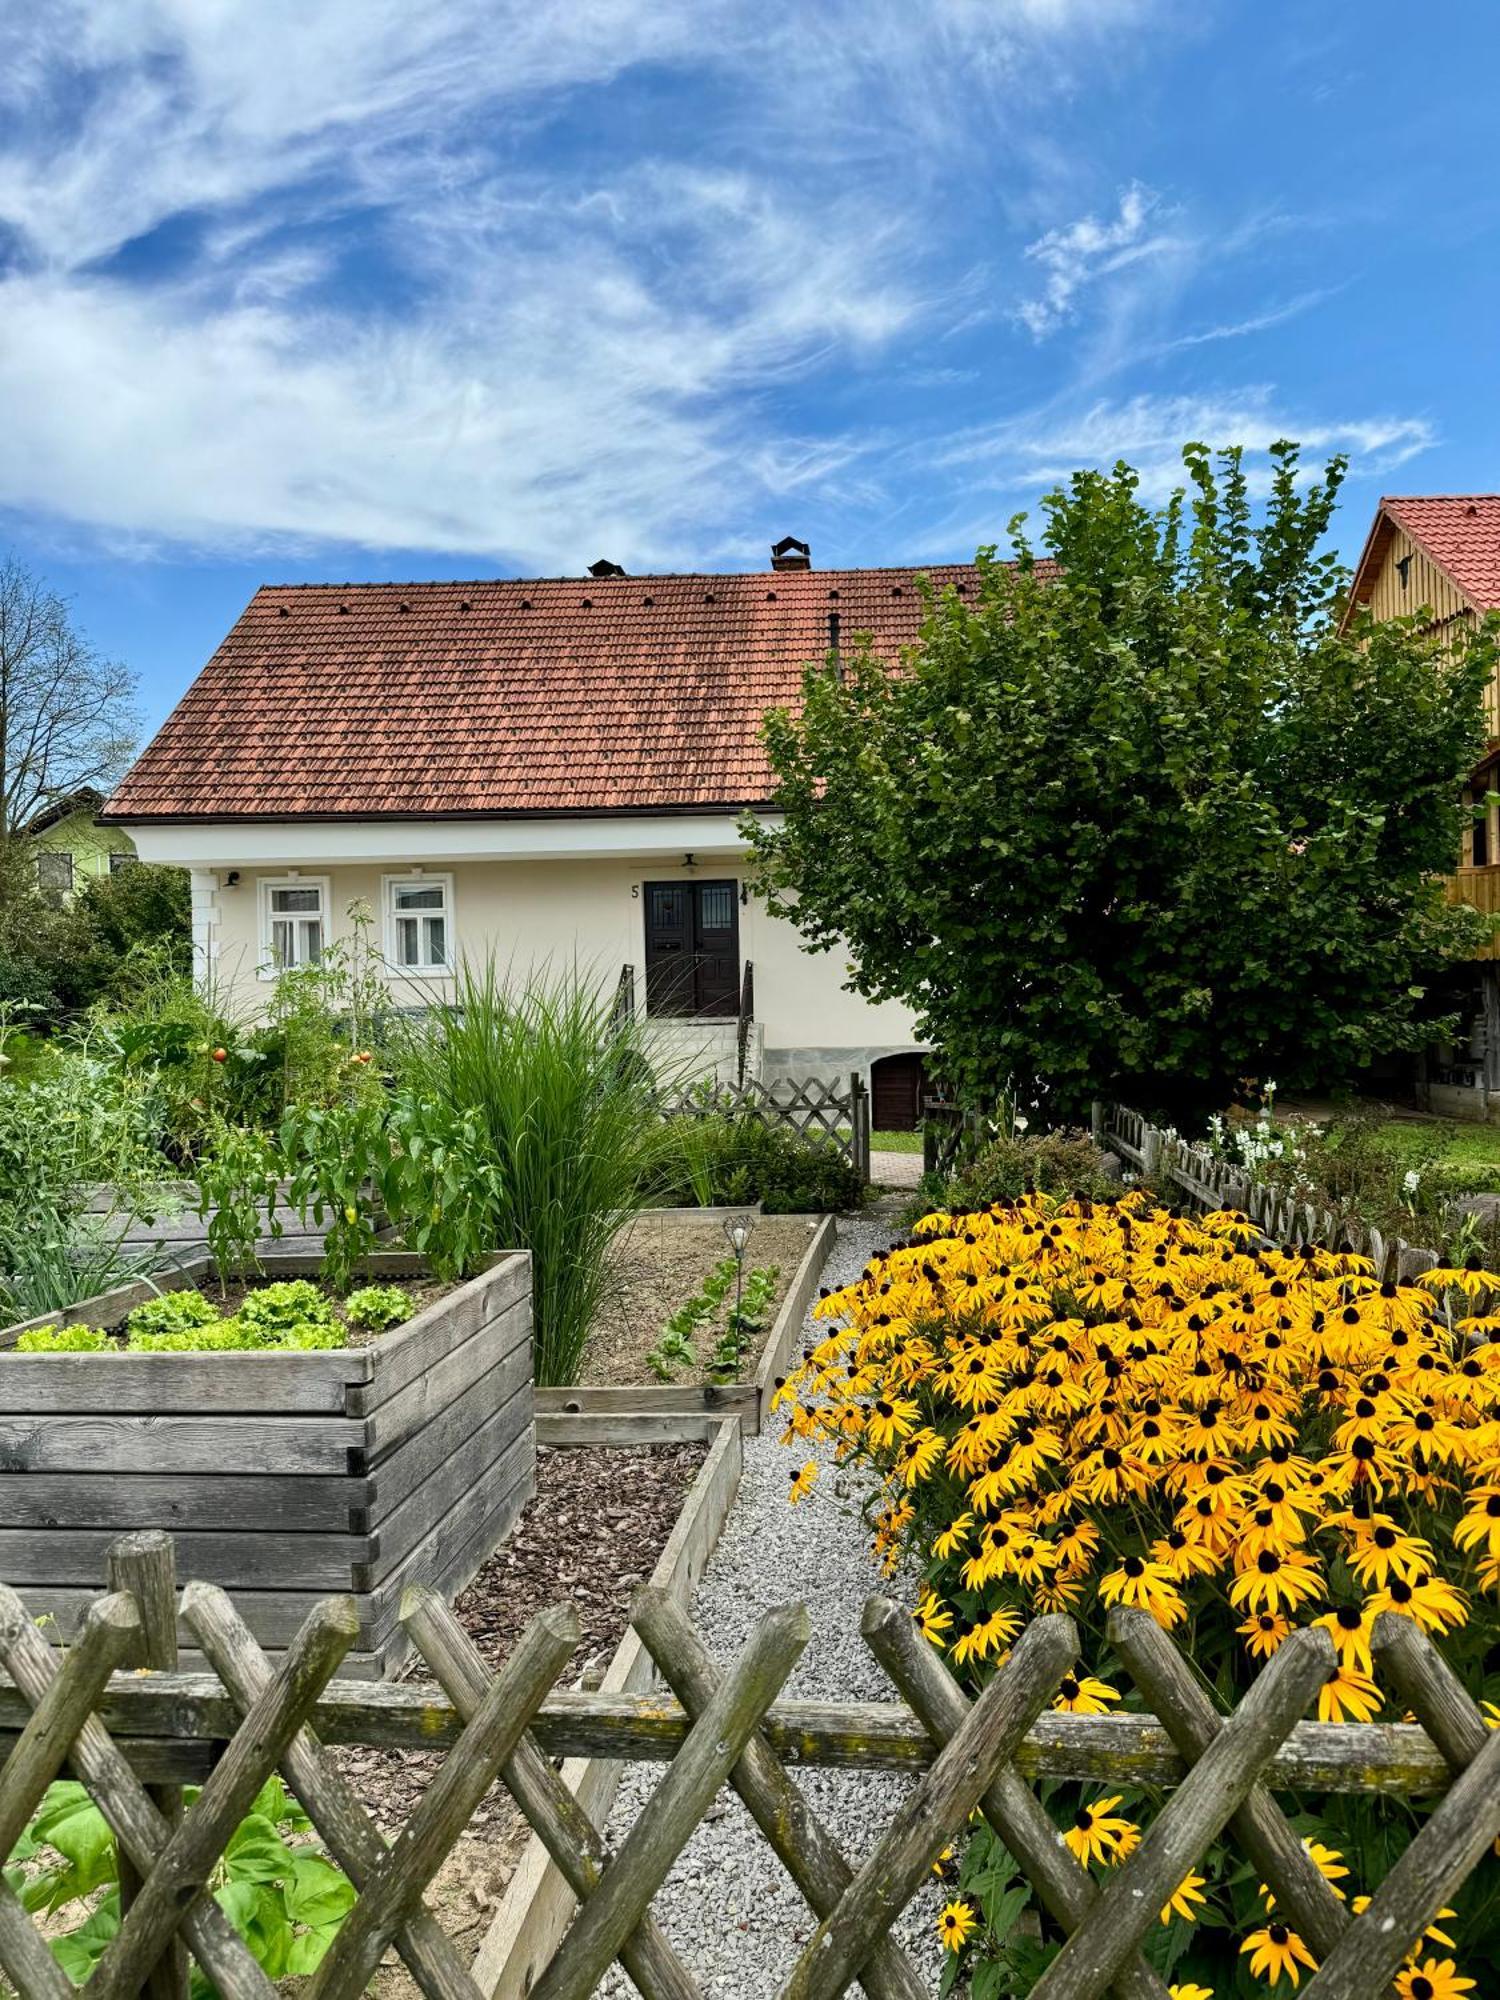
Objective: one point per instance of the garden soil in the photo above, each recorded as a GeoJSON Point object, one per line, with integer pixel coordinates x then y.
{"type": "Point", "coordinates": [661, 1261]}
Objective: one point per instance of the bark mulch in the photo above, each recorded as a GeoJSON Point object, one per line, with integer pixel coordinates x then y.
{"type": "Point", "coordinates": [593, 1533]}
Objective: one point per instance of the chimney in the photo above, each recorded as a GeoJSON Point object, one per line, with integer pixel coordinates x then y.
{"type": "Point", "coordinates": [604, 567]}
{"type": "Point", "coordinates": [789, 553]}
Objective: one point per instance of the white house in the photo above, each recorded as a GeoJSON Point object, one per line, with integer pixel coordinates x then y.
{"type": "Point", "coordinates": [549, 770]}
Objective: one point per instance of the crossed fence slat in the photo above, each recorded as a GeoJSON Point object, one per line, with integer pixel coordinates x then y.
{"type": "Point", "coordinates": [810, 1107]}
{"type": "Point", "coordinates": [1225, 1759]}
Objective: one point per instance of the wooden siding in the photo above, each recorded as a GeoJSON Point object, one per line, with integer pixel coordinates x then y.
{"type": "Point", "coordinates": [283, 1476]}
{"type": "Point", "coordinates": [1479, 887]}
{"type": "Point", "coordinates": [1427, 588]}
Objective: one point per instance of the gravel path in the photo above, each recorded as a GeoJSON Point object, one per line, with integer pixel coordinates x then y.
{"type": "Point", "coordinates": [728, 1905]}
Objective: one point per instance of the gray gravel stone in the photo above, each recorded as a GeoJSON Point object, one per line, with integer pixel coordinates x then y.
{"type": "Point", "coordinates": [728, 1905]}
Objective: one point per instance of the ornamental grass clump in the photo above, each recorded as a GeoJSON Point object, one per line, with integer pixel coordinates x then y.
{"type": "Point", "coordinates": [1066, 1406]}
{"type": "Point", "coordinates": [564, 1103]}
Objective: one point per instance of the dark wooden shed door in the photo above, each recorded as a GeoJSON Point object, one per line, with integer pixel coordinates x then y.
{"type": "Point", "coordinates": [897, 1084]}
{"type": "Point", "coordinates": [693, 948]}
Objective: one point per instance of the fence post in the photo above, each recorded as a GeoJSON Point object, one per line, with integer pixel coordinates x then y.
{"type": "Point", "coordinates": [1151, 1148]}
{"type": "Point", "coordinates": [1096, 1122]}
{"type": "Point", "coordinates": [145, 1564]}
{"type": "Point", "coordinates": [859, 1124]}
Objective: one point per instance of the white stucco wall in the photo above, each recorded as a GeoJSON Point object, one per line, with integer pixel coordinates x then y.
{"type": "Point", "coordinates": [534, 912]}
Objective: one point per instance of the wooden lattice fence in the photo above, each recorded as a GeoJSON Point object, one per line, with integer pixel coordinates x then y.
{"type": "Point", "coordinates": [233, 1728]}
{"type": "Point", "coordinates": [834, 1114]}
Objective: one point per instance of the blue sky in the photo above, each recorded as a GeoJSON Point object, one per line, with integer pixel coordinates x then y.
{"type": "Point", "coordinates": [305, 289]}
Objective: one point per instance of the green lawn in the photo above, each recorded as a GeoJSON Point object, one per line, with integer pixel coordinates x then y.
{"type": "Point", "coordinates": [895, 1142]}
{"type": "Point", "coordinates": [1456, 1145]}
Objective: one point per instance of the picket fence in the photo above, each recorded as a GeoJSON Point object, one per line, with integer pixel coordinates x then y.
{"type": "Point", "coordinates": [1214, 1183]}
{"type": "Point", "coordinates": [133, 1739]}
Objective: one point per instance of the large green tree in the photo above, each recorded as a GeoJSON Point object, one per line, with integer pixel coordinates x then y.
{"type": "Point", "coordinates": [1140, 818]}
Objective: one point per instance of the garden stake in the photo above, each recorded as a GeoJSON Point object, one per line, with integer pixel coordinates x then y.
{"type": "Point", "coordinates": [554, 1815]}
{"type": "Point", "coordinates": [145, 1564]}
{"type": "Point", "coordinates": [801, 1841]}
{"type": "Point", "coordinates": [1063, 1885]}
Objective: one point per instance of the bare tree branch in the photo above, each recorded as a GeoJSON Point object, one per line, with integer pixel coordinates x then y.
{"type": "Point", "coordinates": [67, 715]}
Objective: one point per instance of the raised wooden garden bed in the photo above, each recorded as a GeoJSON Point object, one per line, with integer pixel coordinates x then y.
{"type": "Point", "coordinates": [649, 1412]}
{"type": "Point", "coordinates": [283, 1475]}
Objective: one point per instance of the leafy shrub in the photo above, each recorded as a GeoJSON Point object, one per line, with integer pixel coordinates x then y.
{"type": "Point", "coordinates": [1235, 1441]}
{"type": "Point", "coordinates": [275, 1883]}
{"type": "Point", "coordinates": [377, 1306]}
{"type": "Point", "coordinates": [1065, 1163]}
{"type": "Point", "coordinates": [173, 1312]}
{"type": "Point", "coordinates": [63, 1340]}
{"type": "Point", "coordinates": [722, 1161]}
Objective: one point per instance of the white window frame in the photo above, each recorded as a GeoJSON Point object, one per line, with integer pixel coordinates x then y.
{"type": "Point", "coordinates": [418, 878]}
{"type": "Point", "coordinates": [268, 968]}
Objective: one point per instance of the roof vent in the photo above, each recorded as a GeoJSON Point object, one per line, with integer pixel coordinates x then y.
{"type": "Point", "coordinates": [1472, 511]}
{"type": "Point", "coordinates": [789, 553]}
{"type": "Point", "coordinates": [604, 567]}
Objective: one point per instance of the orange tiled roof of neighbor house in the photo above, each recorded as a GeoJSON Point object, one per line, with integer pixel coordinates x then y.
{"type": "Point", "coordinates": [604, 693]}
{"type": "Point", "coordinates": [1461, 532]}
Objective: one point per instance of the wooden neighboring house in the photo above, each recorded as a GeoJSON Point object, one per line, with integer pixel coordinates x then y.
{"type": "Point", "coordinates": [1439, 555]}
{"type": "Point", "coordinates": [70, 846]}
{"type": "Point", "coordinates": [550, 770]}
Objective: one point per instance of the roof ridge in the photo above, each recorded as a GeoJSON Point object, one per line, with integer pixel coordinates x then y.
{"type": "Point", "coordinates": [784, 577]}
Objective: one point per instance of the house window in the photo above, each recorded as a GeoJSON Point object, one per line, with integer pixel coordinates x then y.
{"type": "Point", "coordinates": [54, 875]}
{"type": "Point", "coordinates": [294, 926]}
{"type": "Point", "coordinates": [120, 859]}
{"type": "Point", "coordinates": [419, 923]}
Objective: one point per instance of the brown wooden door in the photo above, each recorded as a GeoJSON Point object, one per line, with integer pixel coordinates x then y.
{"type": "Point", "coordinates": [896, 1087]}
{"type": "Point", "coordinates": [693, 949]}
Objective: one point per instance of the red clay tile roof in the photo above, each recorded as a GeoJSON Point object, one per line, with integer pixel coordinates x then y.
{"type": "Point", "coordinates": [615, 694]}
{"type": "Point", "coordinates": [1461, 533]}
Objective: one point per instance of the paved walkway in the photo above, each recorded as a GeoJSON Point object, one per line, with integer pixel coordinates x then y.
{"type": "Point", "coordinates": [895, 1170]}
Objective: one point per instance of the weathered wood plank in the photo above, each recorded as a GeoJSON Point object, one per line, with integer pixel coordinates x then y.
{"type": "Point", "coordinates": [455, 1546]}
{"type": "Point", "coordinates": [409, 1351]}
{"type": "Point", "coordinates": [404, 1470]}
{"type": "Point", "coordinates": [786, 1335]}
{"type": "Point", "coordinates": [630, 1427]}
{"type": "Point", "coordinates": [289, 1384]}
{"type": "Point", "coordinates": [713, 1399]}
{"type": "Point", "coordinates": [401, 1416]}
{"type": "Point", "coordinates": [291, 1504]}
{"type": "Point", "coordinates": [481, 1461]}
{"type": "Point", "coordinates": [191, 1707]}
{"type": "Point", "coordinates": [276, 1614]}
{"type": "Point", "coordinates": [186, 1444]}
{"type": "Point", "coordinates": [255, 1561]}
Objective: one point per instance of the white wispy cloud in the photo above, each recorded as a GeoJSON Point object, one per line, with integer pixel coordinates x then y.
{"type": "Point", "coordinates": [1078, 254]}
{"type": "Point", "coordinates": [1041, 448]}
{"type": "Point", "coordinates": [590, 351]}
{"type": "Point", "coordinates": [320, 272]}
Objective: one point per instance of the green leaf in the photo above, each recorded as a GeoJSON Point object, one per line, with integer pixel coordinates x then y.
{"type": "Point", "coordinates": [318, 1893]}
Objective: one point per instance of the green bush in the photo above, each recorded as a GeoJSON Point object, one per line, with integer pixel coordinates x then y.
{"type": "Point", "coordinates": [722, 1161]}
{"type": "Point", "coordinates": [1065, 1163]}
